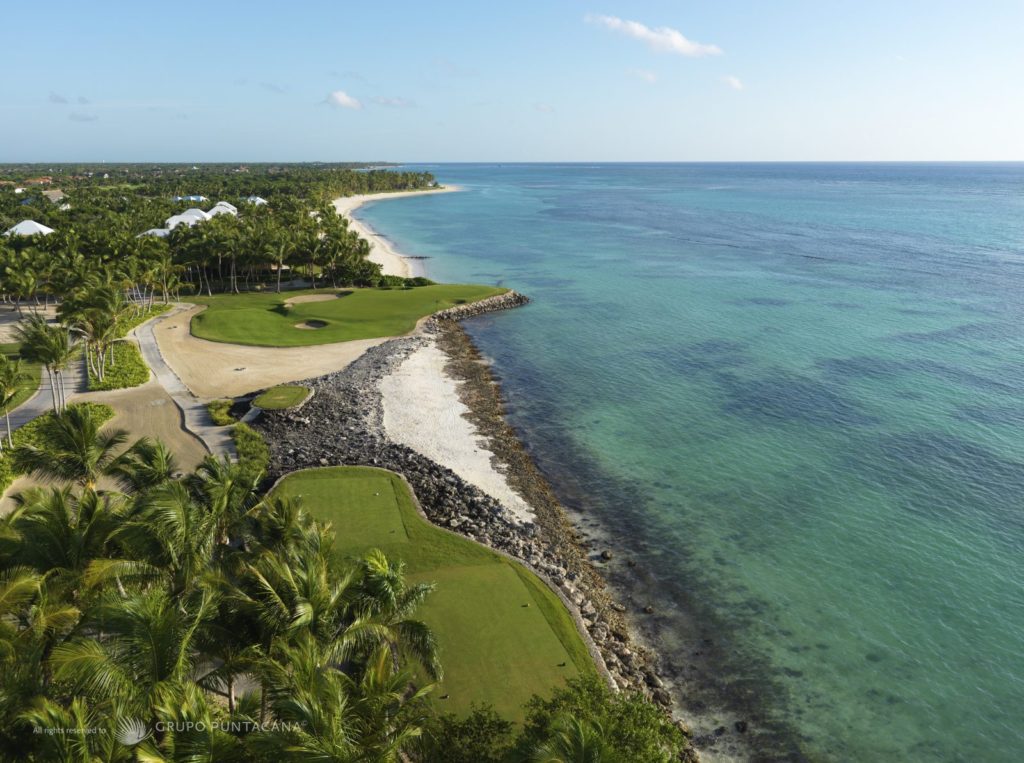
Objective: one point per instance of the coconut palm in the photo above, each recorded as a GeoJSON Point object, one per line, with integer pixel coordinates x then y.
{"type": "Point", "coordinates": [12, 379]}
{"type": "Point", "coordinates": [72, 448]}
{"type": "Point", "coordinates": [56, 532]}
{"type": "Point", "coordinates": [145, 465]}
{"type": "Point", "coordinates": [146, 658]}
{"type": "Point", "coordinates": [50, 345]}
{"type": "Point", "coordinates": [573, 740]}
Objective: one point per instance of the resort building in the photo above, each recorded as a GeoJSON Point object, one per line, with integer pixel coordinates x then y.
{"type": "Point", "coordinates": [194, 197]}
{"type": "Point", "coordinates": [158, 232]}
{"type": "Point", "coordinates": [55, 195]}
{"type": "Point", "coordinates": [258, 201]}
{"type": "Point", "coordinates": [29, 228]}
{"type": "Point", "coordinates": [189, 217]}
{"type": "Point", "coordinates": [223, 208]}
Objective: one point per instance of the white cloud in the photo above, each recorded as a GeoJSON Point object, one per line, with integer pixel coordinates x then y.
{"type": "Point", "coordinates": [663, 39]}
{"type": "Point", "coordinates": [733, 82]}
{"type": "Point", "coordinates": [77, 116]}
{"type": "Point", "coordinates": [57, 98]}
{"type": "Point", "coordinates": [83, 101]}
{"type": "Point", "coordinates": [544, 108]}
{"type": "Point", "coordinates": [343, 100]}
{"type": "Point", "coordinates": [393, 102]}
{"type": "Point", "coordinates": [646, 76]}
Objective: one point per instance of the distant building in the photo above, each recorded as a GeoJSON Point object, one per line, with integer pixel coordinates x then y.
{"type": "Point", "coordinates": [29, 228]}
{"type": "Point", "coordinates": [189, 217]}
{"type": "Point", "coordinates": [194, 197]}
{"type": "Point", "coordinates": [43, 180]}
{"type": "Point", "coordinates": [223, 208]}
{"type": "Point", "coordinates": [256, 200]}
{"type": "Point", "coordinates": [55, 195]}
{"type": "Point", "coordinates": [158, 232]}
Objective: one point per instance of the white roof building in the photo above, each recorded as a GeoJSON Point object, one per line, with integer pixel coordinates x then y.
{"type": "Point", "coordinates": [159, 232]}
{"type": "Point", "coordinates": [193, 197]}
{"type": "Point", "coordinates": [189, 217]}
{"type": "Point", "coordinates": [223, 208]}
{"type": "Point", "coordinates": [28, 228]}
{"type": "Point", "coordinates": [256, 200]}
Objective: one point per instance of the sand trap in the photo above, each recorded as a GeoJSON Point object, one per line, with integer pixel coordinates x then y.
{"type": "Point", "coordinates": [422, 409]}
{"type": "Point", "coordinates": [217, 370]}
{"type": "Point", "coordinates": [311, 298]}
{"type": "Point", "coordinates": [391, 261]}
{"type": "Point", "coordinates": [311, 325]}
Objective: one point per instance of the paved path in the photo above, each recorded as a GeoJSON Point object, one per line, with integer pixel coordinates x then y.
{"type": "Point", "coordinates": [41, 402]}
{"type": "Point", "coordinates": [197, 418]}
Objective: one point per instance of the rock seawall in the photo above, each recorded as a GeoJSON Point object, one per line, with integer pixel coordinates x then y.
{"type": "Point", "coordinates": [342, 424]}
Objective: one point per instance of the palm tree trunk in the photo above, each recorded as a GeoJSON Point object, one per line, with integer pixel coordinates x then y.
{"type": "Point", "coordinates": [53, 388]}
{"type": "Point", "coordinates": [280, 267]}
{"type": "Point", "coordinates": [10, 437]}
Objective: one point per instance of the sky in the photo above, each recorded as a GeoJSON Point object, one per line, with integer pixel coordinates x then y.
{"type": "Point", "coordinates": [534, 80]}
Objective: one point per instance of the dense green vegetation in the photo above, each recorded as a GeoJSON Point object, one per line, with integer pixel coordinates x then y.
{"type": "Point", "coordinates": [253, 453]}
{"type": "Point", "coordinates": [296, 234]}
{"type": "Point", "coordinates": [232, 626]}
{"type": "Point", "coordinates": [272, 320]}
{"type": "Point", "coordinates": [503, 635]}
{"type": "Point", "coordinates": [126, 369]}
{"type": "Point", "coordinates": [29, 436]}
{"type": "Point", "coordinates": [281, 397]}
{"type": "Point", "coordinates": [220, 412]}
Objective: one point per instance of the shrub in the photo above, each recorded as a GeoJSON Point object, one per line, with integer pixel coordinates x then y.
{"type": "Point", "coordinates": [127, 370]}
{"type": "Point", "coordinates": [253, 453]}
{"type": "Point", "coordinates": [220, 412]}
{"type": "Point", "coordinates": [419, 281]}
{"type": "Point", "coordinates": [632, 728]}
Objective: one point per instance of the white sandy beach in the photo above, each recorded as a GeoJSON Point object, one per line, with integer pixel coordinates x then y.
{"type": "Point", "coordinates": [382, 252]}
{"type": "Point", "coordinates": [422, 410]}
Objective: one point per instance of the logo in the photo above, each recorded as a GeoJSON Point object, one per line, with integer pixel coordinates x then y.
{"type": "Point", "coordinates": [131, 731]}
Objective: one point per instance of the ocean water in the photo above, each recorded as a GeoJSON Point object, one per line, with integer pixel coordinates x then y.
{"type": "Point", "coordinates": [794, 394]}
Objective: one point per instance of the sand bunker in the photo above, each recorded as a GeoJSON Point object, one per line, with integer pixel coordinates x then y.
{"type": "Point", "coordinates": [217, 370]}
{"type": "Point", "coordinates": [311, 298]}
{"type": "Point", "coordinates": [311, 324]}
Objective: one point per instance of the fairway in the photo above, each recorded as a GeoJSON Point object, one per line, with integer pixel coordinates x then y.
{"type": "Point", "coordinates": [285, 320]}
{"type": "Point", "coordinates": [503, 634]}
{"type": "Point", "coordinates": [281, 397]}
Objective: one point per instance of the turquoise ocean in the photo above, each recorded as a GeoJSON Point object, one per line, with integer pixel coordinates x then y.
{"type": "Point", "coordinates": [794, 395]}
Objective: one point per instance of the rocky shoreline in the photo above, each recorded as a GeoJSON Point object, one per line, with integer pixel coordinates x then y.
{"type": "Point", "coordinates": [342, 423]}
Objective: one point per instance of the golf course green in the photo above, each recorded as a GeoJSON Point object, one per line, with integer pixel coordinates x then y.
{"type": "Point", "coordinates": [281, 397]}
{"type": "Point", "coordinates": [503, 635]}
{"type": "Point", "coordinates": [293, 319]}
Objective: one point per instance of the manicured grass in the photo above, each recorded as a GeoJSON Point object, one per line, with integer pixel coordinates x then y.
{"type": "Point", "coordinates": [283, 396]}
{"type": "Point", "coordinates": [503, 634]}
{"type": "Point", "coordinates": [33, 372]}
{"type": "Point", "coordinates": [265, 320]}
{"type": "Point", "coordinates": [253, 453]}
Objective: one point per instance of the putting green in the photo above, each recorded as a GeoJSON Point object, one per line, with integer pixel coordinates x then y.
{"type": "Point", "coordinates": [281, 397]}
{"type": "Point", "coordinates": [276, 320]}
{"type": "Point", "coordinates": [503, 635]}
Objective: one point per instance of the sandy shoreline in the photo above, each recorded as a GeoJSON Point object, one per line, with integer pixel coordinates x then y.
{"type": "Point", "coordinates": [391, 261]}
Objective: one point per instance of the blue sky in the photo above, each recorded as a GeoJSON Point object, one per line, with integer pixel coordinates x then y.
{"type": "Point", "coordinates": [535, 80]}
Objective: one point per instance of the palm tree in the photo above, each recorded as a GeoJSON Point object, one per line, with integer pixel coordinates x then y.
{"type": "Point", "coordinates": [145, 465]}
{"type": "Point", "coordinates": [72, 448]}
{"type": "Point", "coordinates": [50, 345]}
{"type": "Point", "coordinates": [573, 740]}
{"type": "Point", "coordinates": [12, 379]}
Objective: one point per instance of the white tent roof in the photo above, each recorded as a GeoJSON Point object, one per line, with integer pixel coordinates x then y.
{"type": "Point", "coordinates": [222, 208]}
{"type": "Point", "coordinates": [256, 200]}
{"type": "Point", "coordinates": [29, 228]}
{"type": "Point", "coordinates": [161, 232]}
{"type": "Point", "coordinates": [188, 217]}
